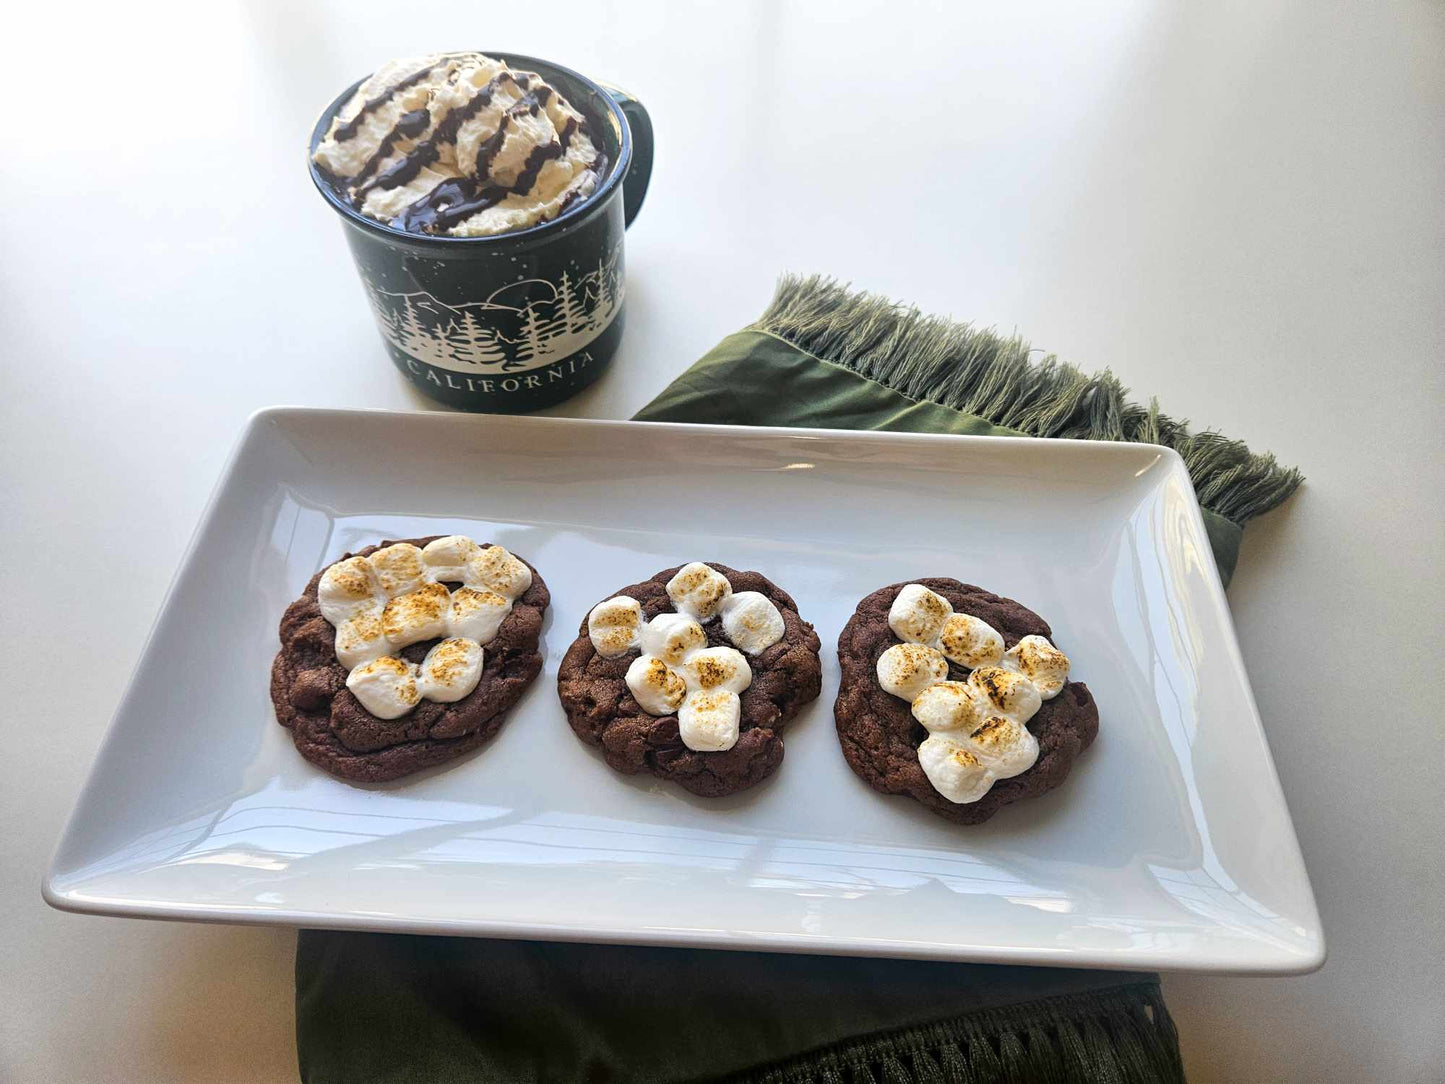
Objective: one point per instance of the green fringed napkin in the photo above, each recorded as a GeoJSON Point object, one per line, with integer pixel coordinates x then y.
{"type": "Point", "coordinates": [383, 1008]}
{"type": "Point", "coordinates": [826, 356]}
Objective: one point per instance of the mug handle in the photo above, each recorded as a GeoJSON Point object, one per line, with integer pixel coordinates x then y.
{"type": "Point", "coordinates": [634, 185]}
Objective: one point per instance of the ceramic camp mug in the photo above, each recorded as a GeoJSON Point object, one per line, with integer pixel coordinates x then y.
{"type": "Point", "coordinates": [509, 322]}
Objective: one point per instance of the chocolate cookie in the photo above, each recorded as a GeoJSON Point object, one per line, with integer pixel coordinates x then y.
{"type": "Point", "coordinates": [881, 737]}
{"type": "Point", "coordinates": [785, 674]}
{"type": "Point", "coordinates": [334, 731]}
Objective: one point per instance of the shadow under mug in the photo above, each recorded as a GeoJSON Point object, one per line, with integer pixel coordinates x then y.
{"type": "Point", "coordinates": [516, 321]}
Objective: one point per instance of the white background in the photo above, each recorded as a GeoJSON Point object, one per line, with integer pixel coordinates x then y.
{"type": "Point", "coordinates": [1239, 207]}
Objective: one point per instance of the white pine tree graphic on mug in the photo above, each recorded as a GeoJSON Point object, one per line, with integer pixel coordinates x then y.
{"type": "Point", "coordinates": [522, 325]}
{"type": "Point", "coordinates": [530, 347]}
{"type": "Point", "coordinates": [571, 316]}
{"type": "Point", "coordinates": [479, 345]}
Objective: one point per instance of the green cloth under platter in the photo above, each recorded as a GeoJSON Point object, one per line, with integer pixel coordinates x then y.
{"type": "Point", "coordinates": [385, 1009]}
{"type": "Point", "coordinates": [388, 1009]}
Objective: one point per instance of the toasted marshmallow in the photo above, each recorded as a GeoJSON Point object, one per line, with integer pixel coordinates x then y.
{"type": "Point", "coordinates": [1006, 693]}
{"type": "Point", "coordinates": [699, 591]}
{"type": "Point", "coordinates": [386, 686]}
{"type": "Point", "coordinates": [398, 568]}
{"type": "Point", "coordinates": [917, 614]}
{"type": "Point", "coordinates": [347, 588]}
{"type": "Point", "coordinates": [1041, 662]}
{"type": "Point", "coordinates": [496, 568]}
{"type": "Point", "coordinates": [451, 670]}
{"type": "Point", "coordinates": [948, 705]}
{"type": "Point", "coordinates": [447, 559]}
{"type": "Point", "coordinates": [977, 731]}
{"type": "Point", "coordinates": [397, 596]}
{"type": "Point", "coordinates": [953, 769]}
{"type": "Point", "coordinates": [677, 671]}
{"type": "Point", "coordinates": [708, 720]}
{"type": "Point", "coordinates": [671, 636]}
{"type": "Point", "coordinates": [657, 688]}
{"type": "Point", "coordinates": [970, 642]}
{"type": "Point", "coordinates": [752, 622]}
{"type": "Point", "coordinates": [417, 615]}
{"type": "Point", "coordinates": [907, 669]}
{"type": "Point", "coordinates": [717, 668]}
{"type": "Point", "coordinates": [1005, 745]}
{"type": "Point", "coordinates": [477, 614]}
{"type": "Point", "coordinates": [614, 625]}
{"type": "Point", "coordinates": [360, 638]}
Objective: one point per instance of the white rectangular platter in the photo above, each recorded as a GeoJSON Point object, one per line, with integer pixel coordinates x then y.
{"type": "Point", "coordinates": [1169, 846]}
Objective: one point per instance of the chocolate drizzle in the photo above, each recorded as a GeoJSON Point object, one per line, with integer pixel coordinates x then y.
{"type": "Point", "coordinates": [490, 148]}
{"type": "Point", "coordinates": [350, 128]}
{"type": "Point", "coordinates": [429, 150]}
{"type": "Point", "coordinates": [530, 102]}
{"type": "Point", "coordinates": [414, 123]}
{"type": "Point", "coordinates": [402, 172]}
{"type": "Point", "coordinates": [568, 131]}
{"type": "Point", "coordinates": [599, 169]}
{"type": "Point", "coordinates": [539, 157]}
{"type": "Point", "coordinates": [452, 201]}
{"type": "Point", "coordinates": [456, 199]}
{"type": "Point", "coordinates": [409, 126]}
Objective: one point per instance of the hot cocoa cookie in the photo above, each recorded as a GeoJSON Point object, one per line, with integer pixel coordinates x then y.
{"type": "Point", "coordinates": [407, 654]}
{"type": "Point", "coordinates": [955, 697]}
{"type": "Point", "coordinates": [691, 676]}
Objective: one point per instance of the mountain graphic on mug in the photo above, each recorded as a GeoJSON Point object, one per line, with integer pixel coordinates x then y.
{"type": "Point", "coordinates": [519, 326]}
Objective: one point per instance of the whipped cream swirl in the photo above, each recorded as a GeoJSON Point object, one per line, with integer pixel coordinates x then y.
{"type": "Point", "coordinates": [459, 144]}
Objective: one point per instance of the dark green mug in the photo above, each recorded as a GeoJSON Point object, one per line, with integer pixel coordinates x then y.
{"type": "Point", "coordinates": [517, 321]}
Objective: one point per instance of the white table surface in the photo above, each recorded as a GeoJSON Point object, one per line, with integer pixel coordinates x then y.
{"type": "Point", "coordinates": [1239, 207]}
